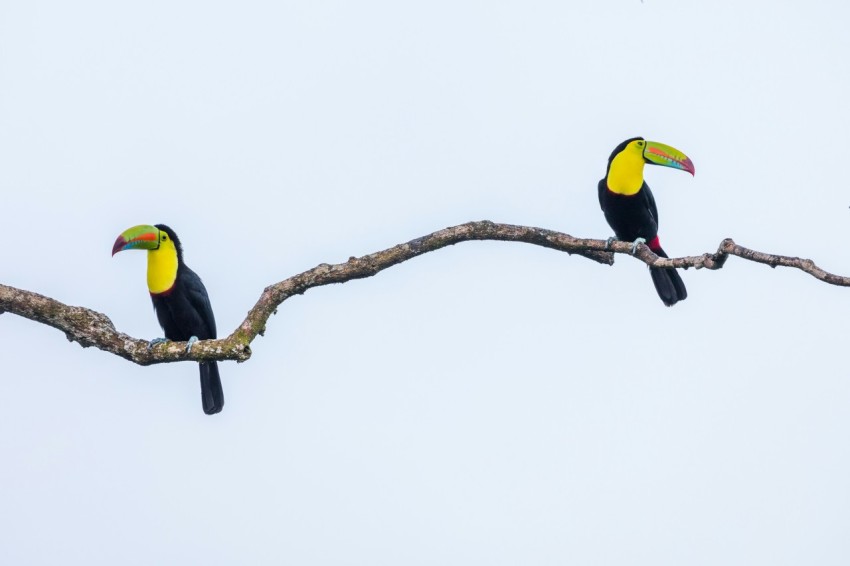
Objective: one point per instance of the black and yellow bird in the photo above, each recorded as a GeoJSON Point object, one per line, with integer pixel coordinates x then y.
{"type": "Point", "coordinates": [179, 299]}
{"type": "Point", "coordinates": [630, 208]}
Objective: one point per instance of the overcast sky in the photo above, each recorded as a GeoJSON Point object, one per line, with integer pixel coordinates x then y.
{"type": "Point", "coordinates": [491, 403]}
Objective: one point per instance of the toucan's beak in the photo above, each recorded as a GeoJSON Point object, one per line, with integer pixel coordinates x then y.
{"type": "Point", "coordinates": [661, 154]}
{"type": "Point", "coordinates": [141, 237]}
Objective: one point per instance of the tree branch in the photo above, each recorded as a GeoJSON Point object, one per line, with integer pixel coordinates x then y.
{"type": "Point", "coordinates": [91, 328]}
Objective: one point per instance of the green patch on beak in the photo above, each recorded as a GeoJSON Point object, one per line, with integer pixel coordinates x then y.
{"type": "Point", "coordinates": [667, 156]}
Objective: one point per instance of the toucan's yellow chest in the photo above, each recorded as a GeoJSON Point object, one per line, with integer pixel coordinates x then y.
{"type": "Point", "coordinates": [625, 176]}
{"type": "Point", "coordinates": [162, 268]}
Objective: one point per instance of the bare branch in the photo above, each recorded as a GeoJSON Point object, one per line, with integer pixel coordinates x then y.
{"type": "Point", "coordinates": [91, 328]}
{"type": "Point", "coordinates": [729, 247]}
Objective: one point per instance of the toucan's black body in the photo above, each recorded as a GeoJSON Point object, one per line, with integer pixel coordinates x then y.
{"type": "Point", "coordinates": [636, 216]}
{"type": "Point", "coordinates": [185, 311]}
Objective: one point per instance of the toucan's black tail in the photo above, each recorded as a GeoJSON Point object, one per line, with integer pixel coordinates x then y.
{"type": "Point", "coordinates": [212, 395]}
{"type": "Point", "coordinates": [668, 283]}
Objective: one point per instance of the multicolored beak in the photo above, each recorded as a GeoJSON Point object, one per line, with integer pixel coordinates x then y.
{"type": "Point", "coordinates": [142, 237]}
{"type": "Point", "coordinates": [662, 154]}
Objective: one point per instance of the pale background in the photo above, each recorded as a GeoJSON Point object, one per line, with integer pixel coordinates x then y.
{"type": "Point", "coordinates": [490, 403]}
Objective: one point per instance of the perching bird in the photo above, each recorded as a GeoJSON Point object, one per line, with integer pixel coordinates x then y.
{"type": "Point", "coordinates": [630, 209]}
{"type": "Point", "coordinates": [179, 299]}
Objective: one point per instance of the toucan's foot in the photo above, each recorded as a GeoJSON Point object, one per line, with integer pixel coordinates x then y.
{"type": "Point", "coordinates": [156, 341]}
{"type": "Point", "coordinates": [636, 243]}
{"type": "Point", "coordinates": [610, 241]}
{"type": "Point", "coordinates": [191, 343]}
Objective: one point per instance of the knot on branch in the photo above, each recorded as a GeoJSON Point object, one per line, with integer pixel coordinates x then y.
{"type": "Point", "coordinates": [243, 353]}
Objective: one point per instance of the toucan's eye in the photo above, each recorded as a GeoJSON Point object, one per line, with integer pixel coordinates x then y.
{"type": "Point", "coordinates": [640, 144]}
{"type": "Point", "coordinates": [164, 237]}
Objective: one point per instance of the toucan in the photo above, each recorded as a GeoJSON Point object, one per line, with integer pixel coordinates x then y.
{"type": "Point", "coordinates": [179, 298]}
{"type": "Point", "coordinates": [630, 209]}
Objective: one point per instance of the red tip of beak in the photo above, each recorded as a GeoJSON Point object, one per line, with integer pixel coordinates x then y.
{"type": "Point", "coordinates": [689, 166]}
{"type": "Point", "coordinates": [118, 245]}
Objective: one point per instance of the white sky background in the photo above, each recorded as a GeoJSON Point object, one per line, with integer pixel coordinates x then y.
{"type": "Point", "coordinates": [491, 403]}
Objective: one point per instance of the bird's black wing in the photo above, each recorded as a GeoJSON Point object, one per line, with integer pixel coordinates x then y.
{"type": "Point", "coordinates": [650, 203]}
{"type": "Point", "coordinates": [200, 301]}
{"type": "Point", "coordinates": [602, 188]}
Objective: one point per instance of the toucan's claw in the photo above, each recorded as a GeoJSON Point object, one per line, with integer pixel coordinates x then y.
{"type": "Point", "coordinates": [636, 243]}
{"type": "Point", "coordinates": [609, 241]}
{"type": "Point", "coordinates": [156, 341]}
{"type": "Point", "coordinates": [191, 343]}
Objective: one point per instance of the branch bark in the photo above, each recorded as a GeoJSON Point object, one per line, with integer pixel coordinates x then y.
{"type": "Point", "coordinates": [91, 328]}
